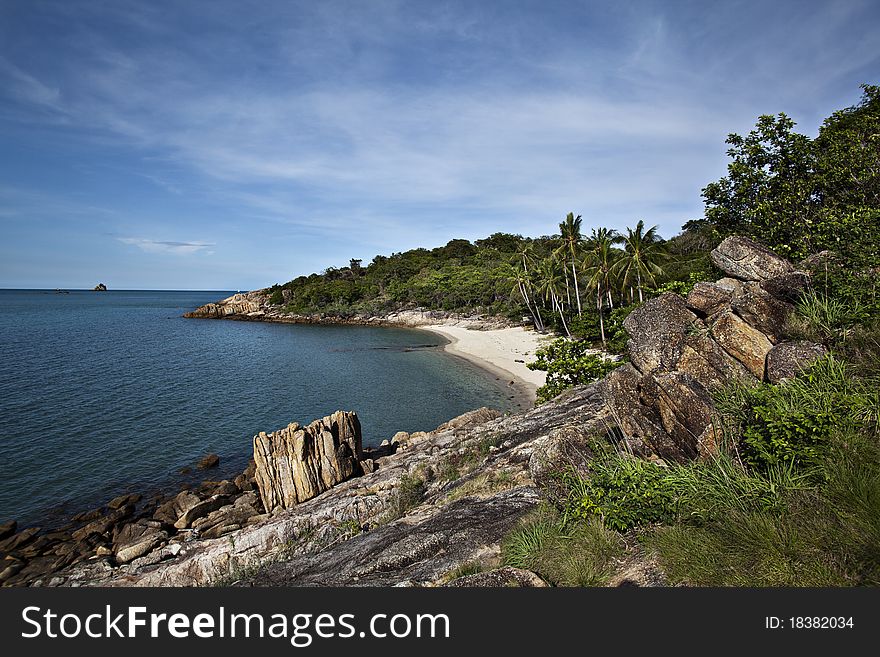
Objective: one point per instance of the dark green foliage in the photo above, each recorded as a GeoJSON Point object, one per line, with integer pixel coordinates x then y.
{"type": "Point", "coordinates": [793, 422]}
{"type": "Point", "coordinates": [569, 363]}
{"type": "Point", "coordinates": [794, 193]}
{"type": "Point", "coordinates": [624, 492]}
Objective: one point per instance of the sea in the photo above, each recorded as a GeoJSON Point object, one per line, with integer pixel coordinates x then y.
{"type": "Point", "coordinates": [104, 393]}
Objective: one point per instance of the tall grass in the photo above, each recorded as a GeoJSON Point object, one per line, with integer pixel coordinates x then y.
{"type": "Point", "coordinates": [564, 554]}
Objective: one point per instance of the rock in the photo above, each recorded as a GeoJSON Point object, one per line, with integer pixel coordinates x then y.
{"type": "Point", "coordinates": [245, 481]}
{"type": "Point", "coordinates": [224, 487]}
{"type": "Point", "coordinates": [368, 466]}
{"type": "Point", "coordinates": [7, 529]}
{"type": "Point", "coordinates": [640, 424]}
{"type": "Point", "coordinates": [707, 362]}
{"type": "Point", "coordinates": [16, 541]}
{"type": "Point", "coordinates": [122, 500]}
{"type": "Point", "coordinates": [748, 345]}
{"type": "Point", "coordinates": [238, 304]}
{"type": "Point", "coordinates": [685, 409]}
{"type": "Point", "coordinates": [565, 449]}
{"type": "Point", "coordinates": [657, 332]}
{"type": "Point", "coordinates": [88, 516]}
{"type": "Point", "coordinates": [100, 287]}
{"type": "Point", "coordinates": [103, 551]}
{"type": "Point", "coordinates": [709, 298]}
{"type": "Point", "coordinates": [133, 540]}
{"type": "Point", "coordinates": [297, 463]}
{"type": "Point", "coordinates": [761, 310]}
{"type": "Point", "coordinates": [500, 577]}
{"type": "Point", "coordinates": [208, 461]}
{"type": "Point", "coordinates": [104, 524]}
{"type": "Point", "coordinates": [200, 510]}
{"type": "Point", "coordinates": [787, 287]}
{"type": "Point", "coordinates": [787, 359]}
{"type": "Point", "coordinates": [747, 260]}
{"type": "Point", "coordinates": [470, 419]}
{"type": "Point", "coordinates": [400, 437]}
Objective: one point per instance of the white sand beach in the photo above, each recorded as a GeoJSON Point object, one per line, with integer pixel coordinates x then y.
{"type": "Point", "coordinates": [503, 352]}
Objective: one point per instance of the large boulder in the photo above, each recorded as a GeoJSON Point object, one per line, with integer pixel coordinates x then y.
{"type": "Point", "coordinates": [748, 345]}
{"type": "Point", "coordinates": [761, 310]}
{"type": "Point", "coordinates": [787, 359]}
{"type": "Point", "coordinates": [657, 331]}
{"type": "Point", "coordinates": [747, 260]}
{"type": "Point", "coordinates": [297, 463]}
{"type": "Point", "coordinates": [709, 298]}
{"type": "Point", "coordinates": [135, 540]}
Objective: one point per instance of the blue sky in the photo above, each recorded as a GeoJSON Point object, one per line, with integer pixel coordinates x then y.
{"type": "Point", "coordinates": [231, 145]}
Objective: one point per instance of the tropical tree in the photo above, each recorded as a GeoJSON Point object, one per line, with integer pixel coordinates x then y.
{"type": "Point", "coordinates": [523, 284]}
{"type": "Point", "coordinates": [550, 287]}
{"type": "Point", "coordinates": [599, 266]}
{"type": "Point", "coordinates": [642, 253]}
{"type": "Point", "coordinates": [571, 238]}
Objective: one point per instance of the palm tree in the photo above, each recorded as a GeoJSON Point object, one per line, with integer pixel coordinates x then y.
{"type": "Point", "coordinates": [643, 251]}
{"type": "Point", "coordinates": [523, 284]}
{"type": "Point", "coordinates": [599, 263]}
{"type": "Point", "coordinates": [570, 234]}
{"type": "Point", "coordinates": [550, 286]}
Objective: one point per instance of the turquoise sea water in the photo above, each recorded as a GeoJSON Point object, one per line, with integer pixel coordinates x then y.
{"type": "Point", "coordinates": [108, 392]}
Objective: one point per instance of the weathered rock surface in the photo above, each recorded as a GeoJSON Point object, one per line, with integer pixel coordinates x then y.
{"type": "Point", "coordinates": [788, 359]}
{"type": "Point", "coordinates": [208, 461]}
{"type": "Point", "coordinates": [135, 540]}
{"type": "Point", "coordinates": [297, 463]}
{"type": "Point", "coordinates": [745, 343]}
{"type": "Point", "coordinates": [657, 332]}
{"type": "Point", "coordinates": [745, 259]}
{"type": "Point", "coordinates": [245, 304]}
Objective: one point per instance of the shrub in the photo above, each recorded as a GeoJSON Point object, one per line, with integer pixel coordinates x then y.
{"type": "Point", "coordinates": [409, 494]}
{"type": "Point", "coordinates": [624, 492]}
{"type": "Point", "coordinates": [569, 363]}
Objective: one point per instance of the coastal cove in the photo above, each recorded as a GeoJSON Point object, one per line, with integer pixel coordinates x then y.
{"type": "Point", "coordinates": [116, 392]}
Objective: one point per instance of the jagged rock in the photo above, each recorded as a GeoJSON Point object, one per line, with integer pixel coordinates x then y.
{"type": "Point", "coordinates": [245, 481]}
{"type": "Point", "coordinates": [135, 540]}
{"type": "Point", "coordinates": [170, 511]}
{"type": "Point", "coordinates": [297, 463]}
{"type": "Point", "coordinates": [122, 500]}
{"type": "Point", "coordinates": [657, 332]}
{"type": "Point", "coordinates": [640, 424]}
{"type": "Point", "coordinates": [7, 529]}
{"type": "Point", "coordinates": [224, 487]}
{"type": "Point", "coordinates": [748, 345]}
{"type": "Point", "coordinates": [237, 304]}
{"type": "Point", "coordinates": [208, 461]}
{"type": "Point", "coordinates": [100, 287]}
{"type": "Point", "coordinates": [707, 362]}
{"type": "Point", "coordinates": [762, 311]}
{"type": "Point", "coordinates": [16, 541]}
{"type": "Point", "coordinates": [787, 287]}
{"type": "Point", "coordinates": [500, 577]}
{"type": "Point", "coordinates": [709, 298]}
{"type": "Point", "coordinates": [200, 510]}
{"type": "Point", "coordinates": [103, 524]}
{"type": "Point", "coordinates": [685, 409]}
{"type": "Point", "coordinates": [88, 516]}
{"type": "Point", "coordinates": [787, 359]}
{"type": "Point", "coordinates": [747, 260]}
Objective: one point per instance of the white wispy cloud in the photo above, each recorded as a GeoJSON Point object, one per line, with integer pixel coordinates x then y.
{"type": "Point", "coordinates": [166, 246]}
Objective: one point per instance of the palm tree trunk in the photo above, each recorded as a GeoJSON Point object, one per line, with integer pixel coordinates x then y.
{"type": "Point", "coordinates": [577, 292]}
{"type": "Point", "coordinates": [561, 315]}
{"type": "Point", "coordinates": [639, 283]}
{"type": "Point", "coordinates": [599, 310]}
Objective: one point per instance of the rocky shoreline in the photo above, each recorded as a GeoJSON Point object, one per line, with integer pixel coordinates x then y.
{"type": "Point", "coordinates": [316, 509]}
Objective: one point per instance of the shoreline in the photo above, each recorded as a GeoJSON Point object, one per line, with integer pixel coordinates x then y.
{"type": "Point", "coordinates": [503, 353]}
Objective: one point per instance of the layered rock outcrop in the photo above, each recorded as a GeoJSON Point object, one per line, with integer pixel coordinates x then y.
{"type": "Point", "coordinates": [297, 463]}
{"type": "Point", "coordinates": [681, 350]}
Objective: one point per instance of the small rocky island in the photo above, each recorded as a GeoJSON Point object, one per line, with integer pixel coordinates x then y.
{"type": "Point", "coordinates": [100, 287]}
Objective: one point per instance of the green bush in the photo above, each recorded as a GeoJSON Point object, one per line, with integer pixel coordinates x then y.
{"type": "Point", "coordinates": [569, 363]}
{"type": "Point", "coordinates": [792, 422]}
{"type": "Point", "coordinates": [624, 492]}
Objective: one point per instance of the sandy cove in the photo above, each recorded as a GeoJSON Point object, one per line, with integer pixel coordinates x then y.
{"type": "Point", "coordinates": [504, 352]}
